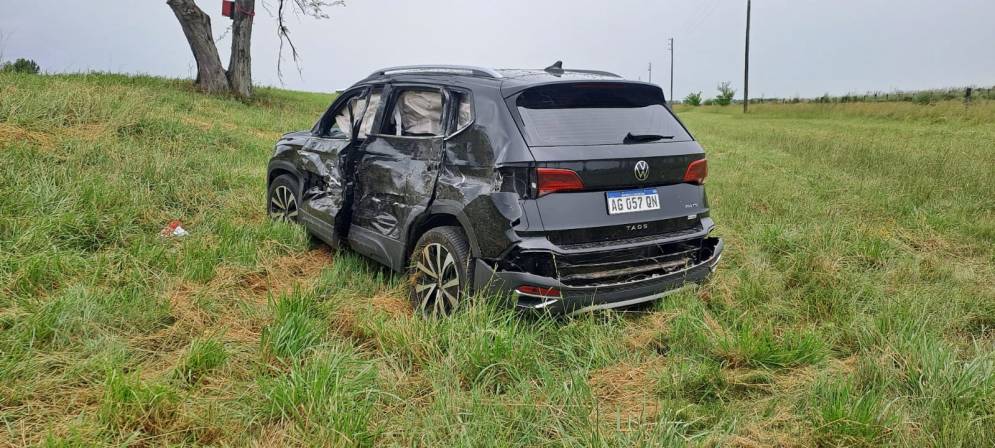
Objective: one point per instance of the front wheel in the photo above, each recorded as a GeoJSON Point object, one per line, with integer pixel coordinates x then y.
{"type": "Point", "coordinates": [282, 199]}
{"type": "Point", "coordinates": [440, 271]}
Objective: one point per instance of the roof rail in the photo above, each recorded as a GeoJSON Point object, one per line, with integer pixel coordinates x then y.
{"type": "Point", "coordinates": [439, 69]}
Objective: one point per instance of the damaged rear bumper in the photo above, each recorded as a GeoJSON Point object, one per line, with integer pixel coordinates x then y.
{"type": "Point", "coordinates": [576, 297]}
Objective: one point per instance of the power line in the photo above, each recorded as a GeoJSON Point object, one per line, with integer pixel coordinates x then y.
{"type": "Point", "coordinates": [706, 13]}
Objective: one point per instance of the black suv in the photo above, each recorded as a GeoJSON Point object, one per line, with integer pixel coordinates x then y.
{"type": "Point", "coordinates": [572, 190]}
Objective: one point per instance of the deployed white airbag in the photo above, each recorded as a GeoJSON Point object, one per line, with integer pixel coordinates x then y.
{"type": "Point", "coordinates": [344, 120]}
{"type": "Point", "coordinates": [371, 113]}
{"type": "Point", "coordinates": [421, 112]}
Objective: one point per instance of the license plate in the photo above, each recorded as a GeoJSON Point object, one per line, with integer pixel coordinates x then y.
{"type": "Point", "coordinates": [629, 201]}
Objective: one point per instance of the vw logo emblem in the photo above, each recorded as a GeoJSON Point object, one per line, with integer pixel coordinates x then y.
{"type": "Point", "coordinates": [642, 170]}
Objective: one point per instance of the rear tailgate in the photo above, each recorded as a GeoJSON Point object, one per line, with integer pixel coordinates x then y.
{"type": "Point", "coordinates": [621, 141]}
{"type": "Point", "coordinates": [579, 217]}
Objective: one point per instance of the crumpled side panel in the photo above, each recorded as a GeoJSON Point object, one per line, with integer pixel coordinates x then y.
{"type": "Point", "coordinates": [492, 214]}
{"type": "Point", "coordinates": [498, 213]}
{"type": "Point", "coordinates": [324, 188]}
{"type": "Point", "coordinates": [471, 148]}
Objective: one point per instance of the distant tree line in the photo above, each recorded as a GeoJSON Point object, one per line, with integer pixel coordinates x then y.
{"type": "Point", "coordinates": [725, 96]}
{"type": "Point", "coordinates": [928, 96]}
{"type": "Point", "coordinates": [20, 66]}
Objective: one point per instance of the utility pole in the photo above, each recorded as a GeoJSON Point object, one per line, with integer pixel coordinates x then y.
{"type": "Point", "coordinates": [651, 72]}
{"type": "Point", "coordinates": [746, 67]}
{"type": "Point", "coordinates": [671, 46]}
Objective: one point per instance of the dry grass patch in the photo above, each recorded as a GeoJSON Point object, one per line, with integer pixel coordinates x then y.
{"type": "Point", "coordinates": [782, 428]}
{"type": "Point", "coordinates": [647, 329]}
{"type": "Point", "coordinates": [198, 123]}
{"type": "Point", "coordinates": [393, 304]}
{"type": "Point", "coordinates": [277, 434]}
{"type": "Point", "coordinates": [11, 134]}
{"type": "Point", "coordinates": [283, 273]}
{"type": "Point", "coordinates": [627, 390]}
{"type": "Point", "coordinates": [276, 277]}
{"type": "Point", "coordinates": [344, 321]}
{"type": "Point", "coordinates": [88, 133]}
{"type": "Point", "coordinates": [53, 410]}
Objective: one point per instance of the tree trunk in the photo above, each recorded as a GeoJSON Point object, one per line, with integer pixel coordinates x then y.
{"type": "Point", "coordinates": [196, 25]}
{"type": "Point", "coordinates": [240, 64]}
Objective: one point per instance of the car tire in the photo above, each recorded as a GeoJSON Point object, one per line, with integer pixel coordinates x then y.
{"type": "Point", "coordinates": [439, 271]}
{"type": "Point", "coordinates": [283, 199]}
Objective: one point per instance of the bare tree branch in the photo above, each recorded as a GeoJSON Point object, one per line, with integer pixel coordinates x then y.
{"type": "Point", "coordinates": [308, 8]}
{"type": "Point", "coordinates": [224, 35]}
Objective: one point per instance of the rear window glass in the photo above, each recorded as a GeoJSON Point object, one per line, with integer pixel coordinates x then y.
{"type": "Point", "coordinates": [596, 114]}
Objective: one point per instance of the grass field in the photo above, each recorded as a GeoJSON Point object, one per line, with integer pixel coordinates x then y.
{"type": "Point", "coordinates": [855, 304]}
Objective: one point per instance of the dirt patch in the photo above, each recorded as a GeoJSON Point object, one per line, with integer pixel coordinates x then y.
{"type": "Point", "coordinates": [627, 389]}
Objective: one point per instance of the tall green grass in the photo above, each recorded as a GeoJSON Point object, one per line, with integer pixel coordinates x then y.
{"type": "Point", "coordinates": [854, 305]}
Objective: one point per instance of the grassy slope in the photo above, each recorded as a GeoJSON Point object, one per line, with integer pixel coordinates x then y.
{"type": "Point", "coordinates": [855, 304]}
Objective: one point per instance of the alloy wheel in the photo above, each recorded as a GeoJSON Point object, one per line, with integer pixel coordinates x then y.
{"type": "Point", "coordinates": [283, 205]}
{"type": "Point", "coordinates": [436, 280]}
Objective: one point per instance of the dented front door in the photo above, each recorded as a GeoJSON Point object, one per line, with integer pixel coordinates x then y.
{"type": "Point", "coordinates": [324, 192]}
{"type": "Point", "coordinates": [327, 157]}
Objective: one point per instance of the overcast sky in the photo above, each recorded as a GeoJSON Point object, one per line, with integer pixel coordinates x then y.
{"type": "Point", "coordinates": [799, 47]}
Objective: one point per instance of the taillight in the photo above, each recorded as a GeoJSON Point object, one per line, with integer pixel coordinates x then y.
{"type": "Point", "coordinates": [538, 291]}
{"type": "Point", "coordinates": [697, 172]}
{"type": "Point", "coordinates": [550, 180]}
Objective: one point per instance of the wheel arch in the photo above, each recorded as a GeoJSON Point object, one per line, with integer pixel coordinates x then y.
{"type": "Point", "coordinates": [440, 215]}
{"type": "Point", "coordinates": [278, 168]}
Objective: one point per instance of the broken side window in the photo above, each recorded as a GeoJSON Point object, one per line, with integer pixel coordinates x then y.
{"type": "Point", "coordinates": [464, 111]}
{"type": "Point", "coordinates": [370, 114]}
{"type": "Point", "coordinates": [355, 112]}
{"type": "Point", "coordinates": [342, 125]}
{"type": "Point", "coordinates": [415, 113]}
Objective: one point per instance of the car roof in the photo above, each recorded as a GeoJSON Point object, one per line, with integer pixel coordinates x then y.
{"type": "Point", "coordinates": [508, 81]}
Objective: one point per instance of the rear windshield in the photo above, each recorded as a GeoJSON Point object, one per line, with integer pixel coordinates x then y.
{"type": "Point", "coordinates": [581, 114]}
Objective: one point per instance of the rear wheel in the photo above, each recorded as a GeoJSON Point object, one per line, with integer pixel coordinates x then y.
{"type": "Point", "coordinates": [439, 271]}
{"type": "Point", "coordinates": [282, 200]}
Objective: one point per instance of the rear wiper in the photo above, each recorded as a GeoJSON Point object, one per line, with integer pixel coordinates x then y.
{"type": "Point", "coordinates": [642, 138]}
